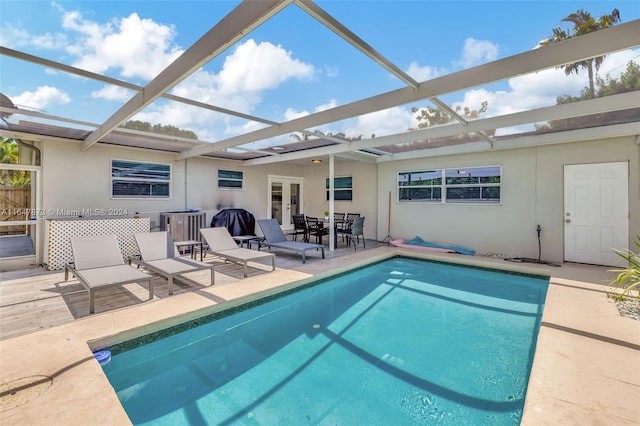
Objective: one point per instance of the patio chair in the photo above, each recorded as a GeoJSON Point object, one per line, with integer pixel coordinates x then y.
{"type": "Point", "coordinates": [98, 263]}
{"type": "Point", "coordinates": [357, 231]}
{"type": "Point", "coordinates": [316, 228]}
{"type": "Point", "coordinates": [220, 243]}
{"type": "Point", "coordinates": [345, 230]}
{"type": "Point", "coordinates": [274, 237]}
{"type": "Point", "coordinates": [300, 227]}
{"type": "Point", "coordinates": [159, 254]}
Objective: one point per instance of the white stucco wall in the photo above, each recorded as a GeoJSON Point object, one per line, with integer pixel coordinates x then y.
{"type": "Point", "coordinates": [77, 180]}
{"type": "Point", "coordinates": [532, 194]}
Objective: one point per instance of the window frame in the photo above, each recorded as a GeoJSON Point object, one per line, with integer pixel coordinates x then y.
{"type": "Point", "coordinates": [150, 181]}
{"type": "Point", "coordinates": [348, 189]}
{"type": "Point", "coordinates": [442, 185]}
{"type": "Point", "coordinates": [230, 179]}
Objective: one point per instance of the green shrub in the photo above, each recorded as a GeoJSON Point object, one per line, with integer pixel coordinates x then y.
{"type": "Point", "coordinates": [628, 279]}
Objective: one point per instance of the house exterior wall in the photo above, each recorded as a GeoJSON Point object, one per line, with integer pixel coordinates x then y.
{"type": "Point", "coordinates": [532, 194]}
{"type": "Point", "coordinates": [79, 181]}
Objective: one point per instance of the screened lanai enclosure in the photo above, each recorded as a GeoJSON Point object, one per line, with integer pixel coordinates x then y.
{"type": "Point", "coordinates": [266, 137]}
{"type": "Point", "coordinates": [399, 107]}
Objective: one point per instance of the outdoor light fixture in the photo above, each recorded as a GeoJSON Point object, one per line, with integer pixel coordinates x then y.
{"type": "Point", "coordinates": [316, 161]}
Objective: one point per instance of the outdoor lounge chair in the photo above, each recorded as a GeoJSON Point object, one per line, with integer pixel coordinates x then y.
{"type": "Point", "coordinates": [220, 243]}
{"type": "Point", "coordinates": [98, 262]}
{"type": "Point", "coordinates": [159, 254]}
{"type": "Point", "coordinates": [274, 237]}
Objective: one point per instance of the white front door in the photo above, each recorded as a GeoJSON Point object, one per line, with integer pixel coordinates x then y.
{"type": "Point", "coordinates": [285, 199]}
{"type": "Point", "coordinates": [596, 212]}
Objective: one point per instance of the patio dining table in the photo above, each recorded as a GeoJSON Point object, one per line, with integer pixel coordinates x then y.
{"type": "Point", "coordinates": [336, 226]}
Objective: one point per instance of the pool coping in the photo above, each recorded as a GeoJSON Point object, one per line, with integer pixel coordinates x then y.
{"type": "Point", "coordinates": [578, 375]}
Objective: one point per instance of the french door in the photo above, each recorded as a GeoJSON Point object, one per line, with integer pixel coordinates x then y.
{"type": "Point", "coordinates": [285, 199]}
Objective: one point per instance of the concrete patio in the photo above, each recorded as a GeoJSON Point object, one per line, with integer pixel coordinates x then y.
{"type": "Point", "coordinates": [584, 372]}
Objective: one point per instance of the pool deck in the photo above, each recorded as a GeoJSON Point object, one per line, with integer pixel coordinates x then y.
{"type": "Point", "coordinates": [585, 369]}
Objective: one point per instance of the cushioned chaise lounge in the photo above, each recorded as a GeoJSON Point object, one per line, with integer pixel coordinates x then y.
{"type": "Point", "coordinates": [159, 254]}
{"type": "Point", "coordinates": [98, 262]}
{"type": "Point", "coordinates": [274, 237]}
{"type": "Point", "coordinates": [220, 243]}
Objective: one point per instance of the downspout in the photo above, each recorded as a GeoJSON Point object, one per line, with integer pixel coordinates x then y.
{"type": "Point", "coordinates": [33, 147]}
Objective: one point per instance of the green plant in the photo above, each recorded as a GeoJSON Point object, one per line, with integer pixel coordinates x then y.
{"type": "Point", "coordinates": [326, 213]}
{"type": "Point", "coordinates": [629, 278]}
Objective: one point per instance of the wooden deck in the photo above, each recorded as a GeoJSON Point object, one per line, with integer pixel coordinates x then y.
{"type": "Point", "coordinates": [35, 299]}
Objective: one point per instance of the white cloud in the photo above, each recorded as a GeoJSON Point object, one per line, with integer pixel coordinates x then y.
{"type": "Point", "coordinates": [477, 52]}
{"type": "Point", "coordinates": [541, 89]}
{"type": "Point", "coordinates": [17, 37]}
{"type": "Point", "coordinates": [386, 122]}
{"type": "Point", "coordinates": [331, 71]}
{"type": "Point", "coordinates": [423, 73]}
{"type": "Point", "coordinates": [254, 67]}
{"type": "Point", "coordinates": [247, 73]}
{"type": "Point", "coordinates": [291, 114]}
{"type": "Point", "coordinates": [43, 97]}
{"type": "Point", "coordinates": [616, 63]}
{"type": "Point", "coordinates": [249, 126]}
{"type": "Point", "coordinates": [474, 52]}
{"type": "Point", "coordinates": [112, 93]}
{"type": "Point", "coordinates": [323, 107]}
{"type": "Point", "coordinates": [12, 36]}
{"type": "Point", "coordinates": [522, 93]}
{"type": "Point", "coordinates": [138, 48]}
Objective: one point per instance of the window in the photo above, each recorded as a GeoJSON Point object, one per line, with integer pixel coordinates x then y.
{"type": "Point", "coordinates": [230, 179]}
{"type": "Point", "coordinates": [342, 188]}
{"type": "Point", "coordinates": [480, 185]}
{"type": "Point", "coordinates": [134, 179]}
{"type": "Point", "coordinates": [420, 186]}
{"type": "Point", "coordinates": [473, 185]}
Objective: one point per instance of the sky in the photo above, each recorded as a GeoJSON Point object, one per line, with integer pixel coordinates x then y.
{"type": "Point", "coordinates": [290, 66]}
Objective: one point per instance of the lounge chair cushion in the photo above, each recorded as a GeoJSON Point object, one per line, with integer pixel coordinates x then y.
{"type": "Point", "coordinates": [110, 275]}
{"type": "Point", "coordinates": [96, 252]}
{"type": "Point", "coordinates": [159, 254]}
{"type": "Point", "coordinates": [221, 243]}
{"type": "Point", "coordinates": [274, 237]}
{"type": "Point", "coordinates": [98, 262]}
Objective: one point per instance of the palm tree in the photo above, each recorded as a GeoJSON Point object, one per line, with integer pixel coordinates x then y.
{"type": "Point", "coordinates": [584, 23]}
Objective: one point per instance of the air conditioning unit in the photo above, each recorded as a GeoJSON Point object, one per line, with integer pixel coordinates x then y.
{"type": "Point", "coordinates": [183, 225]}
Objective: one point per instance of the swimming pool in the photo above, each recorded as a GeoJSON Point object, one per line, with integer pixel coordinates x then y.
{"type": "Point", "coordinates": [402, 341]}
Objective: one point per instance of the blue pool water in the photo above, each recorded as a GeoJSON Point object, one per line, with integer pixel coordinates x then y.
{"type": "Point", "coordinates": [400, 342]}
